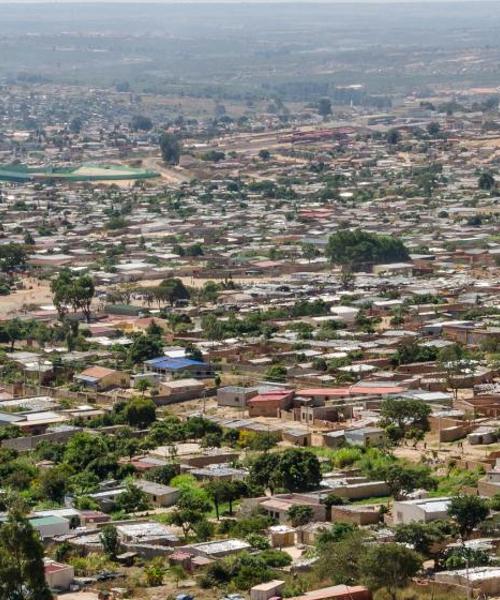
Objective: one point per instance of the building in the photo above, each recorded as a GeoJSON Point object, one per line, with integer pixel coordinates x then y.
{"type": "Point", "coordinates": [57, 575]}
{"type": "Point", "coordinates": [49, 527]}
{"type": "Point", "coordinates": [423, 510]}
{"type": "Point", "coordinates": [235, 396]}
{"type": "Point", "coordinates": [264, 591]}
{"type": "Point", "coordinates": [102, 378]}
{"type": "Point", "coordinates": [168, 367]}
{"type": "Point", "coordinates": [158, 494]}
{"type": "Point", "coordinates": [269, 404]}
{"type": "Point", "coordinates": [219, 548]}
{"type": "Point", "coordinates": [365, 436]}
{"type": "Point", "coordinates": [485, 580]}
{"type": "Point", "coordinates": [337, 592]}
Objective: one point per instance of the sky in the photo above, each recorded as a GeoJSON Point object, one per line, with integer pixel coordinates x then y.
{"type": "Point", "coordinates": [240, 1]}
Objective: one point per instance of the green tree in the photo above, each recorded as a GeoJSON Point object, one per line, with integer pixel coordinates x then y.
{"type": "Point", "coordinates": [357, 248]}
{"type": "Point", "coordinates": [421, 536]}
{"type": "Point", "coordinates": [299, 470]}
{"type": "Point", "coordinates": [404, 418]}
{"type": "Point", "coordinates": [145, 347]}
{"type": "Point", "coordinates": [486, 182]}
{"type": "Point", "coordinates": [22, 575]}
{"type": "Point", "coordinates": [405, 478]}
{"type": "Point", "coordinates": [300, 514]}
{"type": "Point", "coordinates": [12, 257]}
{"type": "Point", "coordinates": [54, 481]}
{"type": "Point", "coordinates": [140, 412]}
{"type": "Point", "coordinates": [155, 572]}
{"type": "Point", "coordinates": [338, 560]}
{"type": "Point", "coordinates": [468, 512]}
{"type": "Point", "coordinates": [393, 137]}
{"type": "Point", "coordinates": [75, 291]}
{"type": "Point", "coordinates": [170, 148]}
{"type": "Point", "coordinates": [389, 566]}
{"type": "Point", "coordinates": [173, 290]}
{"type": "Point", "coordinates": [132, 499]}
{"type": "Point", "coordinates": [324, 107]}
{"type": "Point", "coordinates": [109, 540]}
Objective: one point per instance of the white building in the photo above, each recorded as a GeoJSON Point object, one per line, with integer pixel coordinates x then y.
{"type": "Point", "coordinates": [423, 510]}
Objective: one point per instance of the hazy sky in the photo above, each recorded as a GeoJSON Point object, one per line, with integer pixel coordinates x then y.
{"type": "Point", "coordinates": [239, 1]}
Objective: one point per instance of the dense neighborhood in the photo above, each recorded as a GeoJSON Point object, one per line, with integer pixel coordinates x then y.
{"type": "Point", "coordinates": [251, 351]}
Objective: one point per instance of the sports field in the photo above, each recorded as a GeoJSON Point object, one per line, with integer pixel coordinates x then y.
{"type": "Point", "coordinates": [86, 172]}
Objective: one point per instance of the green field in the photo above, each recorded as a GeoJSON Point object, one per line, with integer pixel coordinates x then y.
{"type": "Point", "coordinates": [86, 172]}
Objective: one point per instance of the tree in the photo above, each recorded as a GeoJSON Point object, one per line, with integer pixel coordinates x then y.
{"type": "Point", "coordinates": [192, 505]}
{"type": "Point", "coordinates": [299, 470]}
{"type": "Point", "coordinates": [75, 291]}
{"type": "Point", "coordinates": [357, 248]}
{"type": "Point", "coordinates": [295, 470]}
{"type": "Point", "coordinates": [13, 330]}
{"type": "Point", "coordinates": [300, 514]}
{"type": "Point", "coordinates": [83, 449]}
{"type": "Point", "coordinates": [486, 182]}
{"type": "Point", "coordinates": [141, 123]}
{"type": "Point", "coordinates": [468, 512]}
{"type": "Point", "coordinates": [53, 482]}
{"type": "Point", "coordinates": [404, 418]}
{"type": "Point", "coordinates": [170, 148]}
{"type": "Point", "coordinates": [22, 573]}
{"type": "Point", "coordinates": [264, 154]}
{"type": "Point", "coordinates": [109, 540]}
{"type": "Point", "coordinates": [173, 290]}
{"type": "Point", "coordinates": [403, 479]}
{"type": "Point", "coordinates": [389, 566]}
{"type": "Point", "coordinates": [324, 107]}
{"type": "Point", "coordinates": [12, 257]}
{"type": "Point", "coordinates": [155, 572]}
{"type": "Point", "coordinates": [140, 412]}
{"type": "Point", "coordinates": [338, 560]}
{"type": "Point", "coordinates": [393, 136]}
{"type": "Point", "coordinates": [433, 128]}
{"type": "Point", "coordinates": [309, 251]}
{"type": "Point", "coordinates": [75, 125]}
{"type": "Point", "coordinates": [29, 240]}
{"type": "Point", "coordinates": [145, 347]}
{"type": "Point", "coordinates": [132, 499]}
{"type": "Point", "coordinates": [420, 535]}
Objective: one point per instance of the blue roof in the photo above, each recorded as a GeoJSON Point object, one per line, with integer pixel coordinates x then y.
{"type": "Point", "coordinates": [173, 364]}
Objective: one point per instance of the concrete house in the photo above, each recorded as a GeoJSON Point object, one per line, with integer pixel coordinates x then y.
{"type": "Point", "coordinates": [101, 378]}
{"type": "Point", "coordinates": [168, 367]}
{"type": "Point", "coordinates": [424, 510]}
{"type": "Point", "coordinates": [158, 494]}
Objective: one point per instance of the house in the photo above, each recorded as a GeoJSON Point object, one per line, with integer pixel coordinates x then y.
{"type": "Point", "coordinates": [158, 494]}
{"type": "Point", "coordinates": [235, 396]}
{"type": "Point", "coordinates": [168, 367]}
{"type": "Point", "coordinates": [422, 510]}
{"type": "Point", "coordinates": [281, 536]}
{"type": "Point", "coordinates": [102, 378]}
{"type": "Point", "coordinates": [365, 436]}
{"type": "Point", "coordinates": [359, 515]}
{"type": "Point", "coordinates": [218, 548]}
{"type": "Point", "coordinates": [336, 592]}
{"type": "Point", "coordinates": [268, 404]}
{"type": "Point", "coordinates": [485, 580]}
{"type": "Point", "coordinates": [264, 591]}
{"type": "Point", "coordinates": [277, 506]}
{"type": "Point", "coordinates": [146, 532]}
{"type": "Point", "coordinates": [57, 575]}
{"type": "Point", "coordinates": [49, 527]}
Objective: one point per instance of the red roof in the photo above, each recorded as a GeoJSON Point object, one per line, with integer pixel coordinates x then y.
{"type": "Point", "coordinates": [367, 389]}
{"type": "Point", "coordinates": [345, 391]}
{"type": "Point", "coordinates": [275, 396]}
